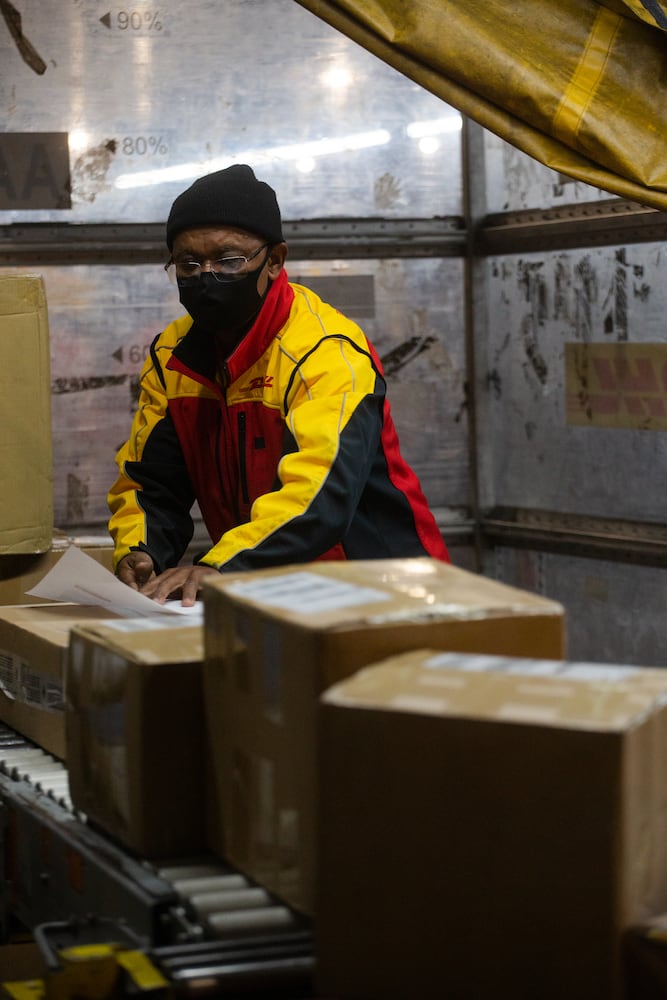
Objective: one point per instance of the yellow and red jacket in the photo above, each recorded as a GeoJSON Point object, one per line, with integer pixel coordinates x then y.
{"type": "Point", "coordinates": [290, 452]}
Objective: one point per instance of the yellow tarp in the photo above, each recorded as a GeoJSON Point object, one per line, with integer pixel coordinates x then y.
{"type": "Point", "coordinates": [581, 86]}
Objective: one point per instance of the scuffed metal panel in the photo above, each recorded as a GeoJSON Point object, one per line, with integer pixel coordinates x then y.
{"type": "Point", "coordinates": [615, 612]}
{"type": "Point", "coordinates": [149, 87]}
{"type": "Point", "coordinates": [515, 181]}
{"type": "Point", "coordinates": [533, 457]}
{"type": "Point", "coordinates": [417, 330]}
{"type": "Point", "coordinates": [103, 319]}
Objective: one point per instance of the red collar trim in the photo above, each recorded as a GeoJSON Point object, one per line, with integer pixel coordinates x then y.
{"type": "Point", "coordinates": [272, 317]}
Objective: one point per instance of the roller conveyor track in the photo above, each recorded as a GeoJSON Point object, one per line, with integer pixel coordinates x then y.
{"type": "Point", "coordinates": [286, 964]}
{"type": "Point", "coordinates": [199, 919]}
{"type": "Point", "coordinates": [21, 760]}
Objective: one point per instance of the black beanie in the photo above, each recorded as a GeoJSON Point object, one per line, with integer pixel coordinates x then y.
{"type": "Point", "coordinates": [229, 197]}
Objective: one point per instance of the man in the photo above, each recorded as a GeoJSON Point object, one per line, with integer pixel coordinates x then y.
{"type": "Point", "coordinates": [266, 406]}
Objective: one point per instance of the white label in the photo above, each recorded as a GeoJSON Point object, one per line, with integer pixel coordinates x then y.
{"type": "Point", "coordinates": [533, 668]}
{"type": "Point", "coordinates": [307, 593]}
{"type": "Point", "coordinates": [598, 672]}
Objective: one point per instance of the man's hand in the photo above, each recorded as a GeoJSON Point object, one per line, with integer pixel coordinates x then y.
{"type": "Point", "coordinates": [185, 581]}
{"type": "Point", "coordinates": [136, 569]}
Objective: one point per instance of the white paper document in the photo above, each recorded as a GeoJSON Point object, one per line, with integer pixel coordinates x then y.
{"type": "Point", "coordinates": [77, 578]}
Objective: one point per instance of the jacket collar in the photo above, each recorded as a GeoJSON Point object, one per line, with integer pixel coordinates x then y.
{"type": "Point", "coordinates": [196, 351]}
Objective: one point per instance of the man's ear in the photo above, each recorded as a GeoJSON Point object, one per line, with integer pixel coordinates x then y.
{"type": "Point", "coordinates": [277, 259]}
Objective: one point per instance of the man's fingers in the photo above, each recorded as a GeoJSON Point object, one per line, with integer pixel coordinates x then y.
{"type": "Point", "coordinates": [135, 570]}
{"type": "Point", "coordinates": [185, 581]}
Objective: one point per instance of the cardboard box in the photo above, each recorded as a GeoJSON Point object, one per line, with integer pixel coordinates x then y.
{"type": "Point", "coordinates": [33, 653]}
{"type": "Point", "coordinates": [645, 960]}
{"type": "Point", "coordinates": [275, 639]}
{"type": "Point", "coordinates": [136, 732]}
{"type": "Point", "coordinates": [20, 962]}
{"type": "Point", "coordinates": [19, 573]}
{"type": "Point", "coordinates": [488, 827]}
{"type": "Point", "coordinates": [26, 498]}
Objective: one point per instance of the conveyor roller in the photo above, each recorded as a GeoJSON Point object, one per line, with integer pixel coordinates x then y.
{"type": "Point", "coordinates": [198, 919]}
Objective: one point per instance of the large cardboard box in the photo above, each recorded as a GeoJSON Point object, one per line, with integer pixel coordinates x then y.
{"type": "Point", "coordinates": [488, 827]}
{"type": "Point", "coordinates": [275, 639]}
{"type": "Point", "coordinates": [136, 733]}
{"type": "Point", "coordinates": [20, 573]}
{"type": "Point", "coordinates": [33, 652]}
{"type": "Point", "coordinates": [26, 460]}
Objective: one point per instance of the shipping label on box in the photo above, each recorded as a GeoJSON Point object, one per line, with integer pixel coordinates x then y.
{"type": "Point", "coordinates": [305, 593]}
{"type": "Point", "coordinates": [40, 691]}
{"type": "Point", "coordinates": [33, 650]}
{"type": "Point", "coordinates": [20, 681]}
{"type": "Point", "coordinates": [10, 671]}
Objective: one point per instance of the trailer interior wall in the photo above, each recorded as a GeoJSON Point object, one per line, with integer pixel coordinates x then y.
{"type": "Point", "coordinates": [429, 256]}
{"type": "Point", "coordinates": [572, 404]}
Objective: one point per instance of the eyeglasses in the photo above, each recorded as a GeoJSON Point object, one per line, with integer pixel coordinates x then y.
{"type": "Point", "coordinates": [222, 269]}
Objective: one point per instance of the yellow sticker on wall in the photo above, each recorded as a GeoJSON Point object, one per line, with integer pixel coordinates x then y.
{"type": "Point", "coordinates": [616, 385]}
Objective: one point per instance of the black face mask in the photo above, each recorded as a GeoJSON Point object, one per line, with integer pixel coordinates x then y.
{"type": "Point", "coordinates": [223, 306]}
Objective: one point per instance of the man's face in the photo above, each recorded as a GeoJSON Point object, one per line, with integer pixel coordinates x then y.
{"type": "Point", "coordinates": [207, 244]}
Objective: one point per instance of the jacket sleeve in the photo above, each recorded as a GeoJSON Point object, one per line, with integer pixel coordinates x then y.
{"type": "Point", "coordinates": [333, 403]}
{"type": "Point", "coordinates": [152, 497]}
